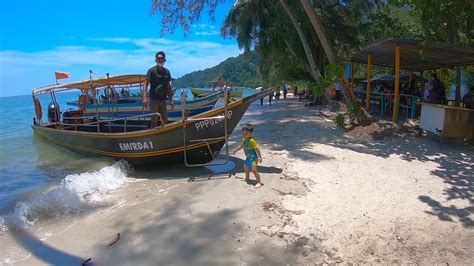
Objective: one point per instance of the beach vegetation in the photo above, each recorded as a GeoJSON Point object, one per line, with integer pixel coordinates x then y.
{"type": "Point", "coordinates": [302, 40]}
{"type": "Point", "coordinates": [340, 121]}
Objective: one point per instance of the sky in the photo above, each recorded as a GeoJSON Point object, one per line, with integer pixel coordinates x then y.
{"type": "Point", "coordinates": [116, 37]}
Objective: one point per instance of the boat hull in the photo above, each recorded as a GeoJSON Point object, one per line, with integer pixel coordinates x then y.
{"type": "Point", "coordinates": [159, 145]}
{"type": "Point", "coordinates": [235, 92]}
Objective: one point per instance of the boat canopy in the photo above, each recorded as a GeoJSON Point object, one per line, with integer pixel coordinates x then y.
{"type": "Point", "coordinates": [92, 84]}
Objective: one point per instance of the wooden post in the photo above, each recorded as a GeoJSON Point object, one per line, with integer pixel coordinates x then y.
{"type": "Point", "coordinates": [369, 72]}
{"type": "Point", "coordinates": [441, 74]}
{"type": "Point", "coordinates": [352, 74]}
{"type": "Point", "coordinates": [397, 84]}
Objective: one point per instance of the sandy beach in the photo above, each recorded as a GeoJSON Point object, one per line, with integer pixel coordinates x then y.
{"type": "Point", "coordinates": [329, 196]}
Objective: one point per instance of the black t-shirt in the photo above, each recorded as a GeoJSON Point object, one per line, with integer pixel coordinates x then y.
{"type": "Point", "coordinates": [159, 78]}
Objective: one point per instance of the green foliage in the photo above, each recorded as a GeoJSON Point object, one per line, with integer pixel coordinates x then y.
{"type": "Point", "coordinates": [265, 27]}
{"type": "Point", "coordinates": [394, 22]}
{"type": "Point", "coordinates": [331, 76]}
{"type": "Point", "coordinates": [241, 71]}
{"type": "Point", "coordinates": [182, 14]}
{"type": "Point", "coordinates": [351, 110]}
{"type": "Point", "coordinates": [449, 21]}
{"type": "Point", "coordinates": [340, 121]}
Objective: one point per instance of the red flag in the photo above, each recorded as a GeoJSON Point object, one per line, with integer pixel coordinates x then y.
{"type": "Point", "coordinates": [61, 75]}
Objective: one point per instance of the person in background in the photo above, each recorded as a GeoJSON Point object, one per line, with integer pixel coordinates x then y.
{"type": "Point", "coordinates": [285, 90]}
{"type": "Point", "coordinates": [159, 79]}
{"type": "Point", "coordinates": [437, 93]}
{"type": "Point", "coordinates": [412, 89]}
{"type": "Point", "coordinates": [426, 92]}
{"type": "Point", "coordinates": [468, 98]}
{"type": "Point", "coordinates": [270, 96]}
{"type": "Point", "coordinates": [295, 91]}
{"type": "Point", "coordinates": [277, 93]}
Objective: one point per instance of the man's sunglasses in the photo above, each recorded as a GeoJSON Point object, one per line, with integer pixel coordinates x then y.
{"type": "Point", "coordinates": [161, 59]}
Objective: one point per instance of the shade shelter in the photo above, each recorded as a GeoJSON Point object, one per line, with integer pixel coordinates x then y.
{"type": "Point", "coordinates": [412, 55]}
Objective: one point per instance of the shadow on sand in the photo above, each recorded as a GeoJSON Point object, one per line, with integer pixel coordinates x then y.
{"type": "Point", "coordinates": [455, 162]}
{"type": "Point", "coordinates": [177, 236]}
{"type": "Point", "coordinates": [46, 253]}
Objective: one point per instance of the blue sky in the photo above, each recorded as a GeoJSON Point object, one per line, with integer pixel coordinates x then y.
{"type": "Point", "coordinates": [116, 37]}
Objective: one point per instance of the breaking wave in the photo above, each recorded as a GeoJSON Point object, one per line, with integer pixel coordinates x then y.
{"type": "Point", "coordinates": [76, 193]}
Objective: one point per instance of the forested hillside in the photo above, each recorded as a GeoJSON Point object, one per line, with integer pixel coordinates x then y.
{"type": "Point", "coordinates": [241, 71]}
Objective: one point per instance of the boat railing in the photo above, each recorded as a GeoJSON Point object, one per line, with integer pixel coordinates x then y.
{"type": "Point", "coordinates": [109, 121]}
{"type": "Point", "coordinates": [206, 140]}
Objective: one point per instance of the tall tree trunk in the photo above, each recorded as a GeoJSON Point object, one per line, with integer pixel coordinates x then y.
{"type": "Point", "coordinates": [361, 114]}
{"type": "Point", "coordinates": [304, 41]}
{"type": "Point", "coordinates": [453, 38]}
{"type": "Point", "coordinates": [292, 52]}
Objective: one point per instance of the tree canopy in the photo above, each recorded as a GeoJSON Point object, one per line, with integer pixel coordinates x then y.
{"type": "Point", "coordinates": [297, 39]}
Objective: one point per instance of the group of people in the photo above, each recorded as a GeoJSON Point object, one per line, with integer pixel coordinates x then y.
{"type": "Point", "coordinates": [278, 91]}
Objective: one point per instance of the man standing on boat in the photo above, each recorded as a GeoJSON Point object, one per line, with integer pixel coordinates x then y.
{"type": "Point", "coordinates": [159, 79]}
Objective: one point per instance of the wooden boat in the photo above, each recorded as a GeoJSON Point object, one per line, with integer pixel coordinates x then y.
{"type": "Point", "coordinates": [193, 140]}
{"type": "Point", "coordinates": [173, 114]}
{"type": "Point", "coordinates": [134, 104]}
{"type": "Point", "coordinates": [233, 91]}
{"type": "Point", "coordinates": [201, 92]}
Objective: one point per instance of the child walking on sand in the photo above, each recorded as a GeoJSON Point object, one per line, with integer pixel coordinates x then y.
{"type": "Point", "coordinates": [252, 154]}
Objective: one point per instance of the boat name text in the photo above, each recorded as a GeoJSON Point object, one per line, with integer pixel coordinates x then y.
{"type": "Point", "coordinates": [203, 124]}
{"type": "Point", "coordinates": [136, 146]}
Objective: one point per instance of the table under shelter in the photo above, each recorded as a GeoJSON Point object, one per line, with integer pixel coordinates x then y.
{"type": "Point", "coordinates": [418, 55]}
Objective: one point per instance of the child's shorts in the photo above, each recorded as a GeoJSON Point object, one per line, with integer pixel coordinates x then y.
{"type": "Point", "coordinates": [251, 163]}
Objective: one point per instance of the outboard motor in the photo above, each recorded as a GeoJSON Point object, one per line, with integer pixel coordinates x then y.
{"type": "Point", "coordinates": [53, 112]}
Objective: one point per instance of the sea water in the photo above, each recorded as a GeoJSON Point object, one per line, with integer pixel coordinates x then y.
{"type": "Point", "coordinates": [39, 179]}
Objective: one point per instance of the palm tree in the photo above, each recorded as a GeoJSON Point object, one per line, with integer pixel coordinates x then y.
{"type": "Point", "coordinates": [258, 24]}
{"type": "Point", "coordinates": [318, 26]}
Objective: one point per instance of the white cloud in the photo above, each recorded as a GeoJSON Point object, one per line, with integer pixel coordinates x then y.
{"type": "Point", "coordinates": [205, 30]}
{"type": "Point", "coordinates": [203, 26]}
{"type": "Point", "coordinates": [207, 33]}
{"type": "Point", "coordinates": [182, 57]}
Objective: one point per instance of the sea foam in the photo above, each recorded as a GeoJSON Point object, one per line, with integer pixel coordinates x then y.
{"type": "Point", "coordinates": [76, 193]}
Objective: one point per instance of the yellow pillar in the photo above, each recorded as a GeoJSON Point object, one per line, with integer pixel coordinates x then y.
{"type": "Point", "coordinates": [397, 84]}
{"type": "Point", "coordinates": [369, 72]}
{"type": "Point", "coordinates": [352, 74]}
{"type": "Point", "coordinates": [442, 73]}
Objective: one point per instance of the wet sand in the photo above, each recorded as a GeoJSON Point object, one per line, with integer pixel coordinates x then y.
{"type": "Point", "coordinates": [327, 198]}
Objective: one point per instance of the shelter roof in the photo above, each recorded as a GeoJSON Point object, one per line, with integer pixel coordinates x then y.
{"type": "Point", "coordinates": [416, 55]}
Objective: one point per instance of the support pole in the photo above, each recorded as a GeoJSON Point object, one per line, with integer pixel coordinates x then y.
{"type": "Point", "coordinates": [457, 95]}
{"type": "Point", "coordinates": [352, 74]}
{"type": "Point", "coordinates": [397, 84]}
{"type": "Point", "coordinates": [442, 73]}
{"type": "Point", "coordinates": [369, 73]}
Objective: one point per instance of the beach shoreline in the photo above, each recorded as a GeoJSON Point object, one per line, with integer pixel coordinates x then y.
{"type": "Point", "coordinates": [327, 198]}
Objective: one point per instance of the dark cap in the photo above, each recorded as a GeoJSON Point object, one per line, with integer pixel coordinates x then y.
{"type": "Point", "coordinates": [160, 53]}
{"type": "Point", "coordinates": [247, 127]}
